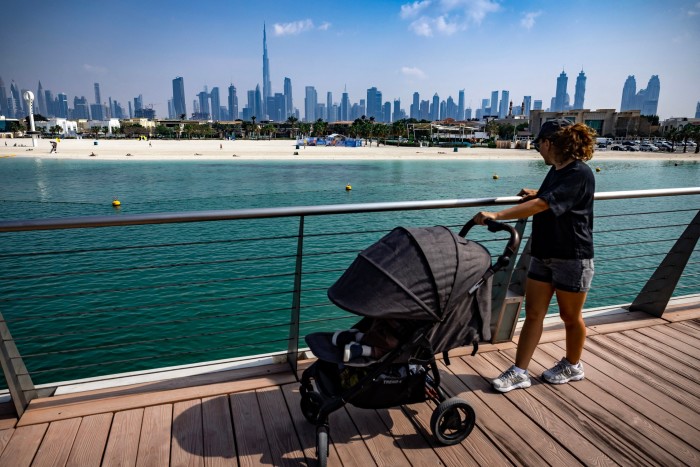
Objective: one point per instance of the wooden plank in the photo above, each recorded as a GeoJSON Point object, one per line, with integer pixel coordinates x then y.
{"type": "Point", "coordinates": [5, 436]}
{"type": "Point", "coordinates": [252, 442]}
{"type": "Point", "coordinates": [306, 432]}
{"type": "Point", "coordinates": [23, 445]}
{"type": "Point", "coordinates": [666, 359]}
{"type": "Point", "coordinates": [493, 414]}
{"type": "Point", "coordinates": [377, 437]}
{"type": "Point", "coordinates": [187, 441]}
{"type": "Point", "coordinates": [123, 441]}
{"type": "Point", "coordinates": [154, 446]}
{"type": "Point", "coordinates": [90, 441]}
{"type": "Point", "coordinates": [662, 343]}
{"type": "Point", "coordinates": [558, 417]}
{"type": "Point", "coordinates": [219, 447]}
{"type": "Point", "coordinates": [692, 312]}
{"type": "Point", "coordinates": [642, 432]}
{"type": "Point", "coordinates": [645, 399]}
{"type": "Point", "coordinates": [56, 447]}
{"type": "Point", "coordinates": [285, 447]}
{"type": "Point", "coordinates": [632, 320]}
{"type": "Point", "coordinates": [674, 334]}
{"type": "Point", "coordinates": [686, 329]}
{"type": "Point", "coordinates": [415, 446]}
{"type": "Point", "coordinates": [77, 405]}
{"type": "Point", "coordinates": [655, 369]}
{"type": "Point", "coordinates": [352, 451]}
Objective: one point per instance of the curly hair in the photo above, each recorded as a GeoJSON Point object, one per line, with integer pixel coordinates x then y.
{"type": "Point", "coordinates": [577, 141]}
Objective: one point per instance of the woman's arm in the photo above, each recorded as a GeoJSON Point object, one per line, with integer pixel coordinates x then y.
{"type": "Point", "coordinates": [526, 209]}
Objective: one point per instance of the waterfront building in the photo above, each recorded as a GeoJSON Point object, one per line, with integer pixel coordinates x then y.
{"type": "Point", "coordinates": [179, 98]}
{"type": "Point", "coordinates": [289, 105]}
{"type": "Point", "coordinates": [460, 105]}
{"type": "Point", "coordinates": [606, 122]}
{"type": "Point", "coordinates": [215, 104]}
{"type": "Point", "coordinates": [267, 86]}
{"type": "Point", "coordinates": [580, 93]}
{"type": "Point", "coordinates": [310, 102]}
{"type": "Point", "coordinates": [345, 106]}
{"type": "Point", "coordinates": [560, 96]}
{"type": "Point", "coordinates": [232, 103]}
{"type": "Point", "coordinates": [503, 108]}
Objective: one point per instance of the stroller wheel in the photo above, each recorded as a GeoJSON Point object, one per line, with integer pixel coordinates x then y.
{"type": "Point", "coordinates": [452, 421]}
{"type": "Point", "coordinates": [310, 404]}
{"type": "Point", "coordinates": [322, 445]}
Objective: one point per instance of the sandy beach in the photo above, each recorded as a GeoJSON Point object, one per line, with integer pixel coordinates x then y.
{"type": "Point", "coordinates": [277, 150]}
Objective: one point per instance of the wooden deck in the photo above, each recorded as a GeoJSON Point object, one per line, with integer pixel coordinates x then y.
{"type": "Point", "coordinates": [639, 405]}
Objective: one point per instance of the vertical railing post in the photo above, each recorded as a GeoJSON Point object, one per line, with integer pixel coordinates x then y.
{"type": "Point", "coordinates": [658, 290]}
{"type": "Point", "coordinates": [19, 382]}
{"type": "Point", "coordinates": [293, 348]}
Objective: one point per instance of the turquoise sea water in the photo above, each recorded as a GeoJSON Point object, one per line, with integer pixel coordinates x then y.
{"type": "Point", "coordinates": [189, 298]}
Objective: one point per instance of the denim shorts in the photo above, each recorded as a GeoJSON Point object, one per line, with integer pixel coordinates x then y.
{"type": "Point", "coordinates": [569, 275]}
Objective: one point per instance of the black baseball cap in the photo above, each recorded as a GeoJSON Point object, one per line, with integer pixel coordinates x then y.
{"type": "Point", "coordinates": [550, 127]}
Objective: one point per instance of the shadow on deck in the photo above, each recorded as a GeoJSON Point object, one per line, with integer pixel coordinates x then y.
{"type": "Point", "coordinates": [639, 405]}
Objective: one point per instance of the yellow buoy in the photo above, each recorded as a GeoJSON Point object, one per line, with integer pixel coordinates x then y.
{"type": "Point", "coordinates": [348, 187]}
{"type": "Point", "coordinates": [597, 169]}
{"type": "Point", "coordinates": [116, 203]}
{"type": "Point", "coordinates": [495, 177]}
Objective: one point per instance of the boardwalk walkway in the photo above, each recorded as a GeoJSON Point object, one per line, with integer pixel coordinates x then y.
{"type": "Point", "coordinates": [639, 405]}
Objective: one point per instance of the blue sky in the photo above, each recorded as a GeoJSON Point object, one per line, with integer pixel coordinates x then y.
{"type": "Point", "coordinates": [429, 46]}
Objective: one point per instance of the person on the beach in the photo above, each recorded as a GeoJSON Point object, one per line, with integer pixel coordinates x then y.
{"type": "Point", "coordinates": [53, 147]}
{"type": "Point", "coordinates": [562, 249]}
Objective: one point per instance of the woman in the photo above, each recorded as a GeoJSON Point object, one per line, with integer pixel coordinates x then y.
{"type": "Point", "coordinates": [561, 249]}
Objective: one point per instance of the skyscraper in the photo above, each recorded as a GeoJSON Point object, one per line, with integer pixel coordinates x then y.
{"type": "Point", "coordinates": [3, 99]}
{"type": "Point", "coordinates": [493, 110]}
{"type": "Point", "coordinates": [40, 100]}
{"type": "Point", "coordinates": [435, 108]}
{"type": "Point", "coordinates": [179, 98]}
{"type": "Point", "coordinates": [310, 101]}
{"type": "Point", "coordinates": [697, 110]}
{"type": "Point", "coordinates": [258, 104]}
{"type": "Point", "coordinates": [503, 108]}
{"type": "Point", "coordinates": [62, 106]}
{"type": "Point", "coordinates": [288, 97]}
{"type": "Point", "coordinates": [98, 99]}
{"type": "Point", "coordinates": [460, 105]}
{"type": "Point", "coordinates": [629, 94]}
{"type": "Point", "coordinates": [374, 103]}
{"type": "Point", "coordinates": [560, 96]}
{"type": "Point", "coordinates": [232, 103]}
{"type": "Point", "coordinates": [203, 99]}
{"type": "Point", "coordinates": [329, 107]}
{"type": "Point", "coordinates": [527, 105]}
{"type": "Point", "coordinates": [215, 104]}
{"type": "Point", "coordinates": [81, 108]}
{"type": "Point", "coordinates": [267, 86]}
{"type": "Point", "coordinates": [415, 106]}
{"type": "Point", "coordinates": [580, 91]}
{"type": "Point", "coordinates": [649, 97]}
{"type": "Point", "coordinates": [345, 106]}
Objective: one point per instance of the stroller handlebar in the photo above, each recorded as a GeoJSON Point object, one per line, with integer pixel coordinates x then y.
{"type": "Point", "coordinates": [495, 226]}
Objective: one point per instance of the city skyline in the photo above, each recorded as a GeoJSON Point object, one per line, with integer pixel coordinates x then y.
{"type": "Point", "coordinates": [430, 47]}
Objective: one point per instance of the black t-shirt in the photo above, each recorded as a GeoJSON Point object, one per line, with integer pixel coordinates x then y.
{"type": "Point", "coordinates": [565, 230]}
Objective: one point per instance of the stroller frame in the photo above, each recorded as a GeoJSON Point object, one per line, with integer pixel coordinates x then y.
{"type": "Point", "coordinates": [452, 420]}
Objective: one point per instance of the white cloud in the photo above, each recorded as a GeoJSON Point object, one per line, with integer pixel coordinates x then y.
{"type": "Point", "coordinates": [528, 20]}
{"type": "Point", "coordinates": [324, 26]}
{"type": "Point", "coordinates": [293, 28]}
{"type": "Point", "coordinates": [411, 10]}
{"type": "Point", "coordinates": [94, 68]}
{"type": "Point", "coordinates": [413, 72]}
{"type": "Point", "coordinates": [446, 17]}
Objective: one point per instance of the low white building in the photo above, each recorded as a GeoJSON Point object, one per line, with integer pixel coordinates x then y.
{"type": "Point", "coordinates": [68, 127]}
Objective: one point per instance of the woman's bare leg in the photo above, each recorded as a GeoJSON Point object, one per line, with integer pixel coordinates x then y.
{"type": "Point", "coordinates": [537, 297]}
{"type": "Point", "coordinates": [570, 308]}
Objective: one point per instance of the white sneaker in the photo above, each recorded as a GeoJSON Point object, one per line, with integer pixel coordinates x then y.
{"type": "Point", "coordinates": [563, 372]}
{"type": "Point", "coordinates": [511, 379]}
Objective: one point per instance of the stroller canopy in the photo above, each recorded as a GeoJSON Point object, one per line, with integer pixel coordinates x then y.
{"type": "Point", "coordinates": [414, 273]}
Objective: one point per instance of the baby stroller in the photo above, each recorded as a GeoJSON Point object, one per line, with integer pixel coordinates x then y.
{"type": "Point", "coordinates": [435, 289]}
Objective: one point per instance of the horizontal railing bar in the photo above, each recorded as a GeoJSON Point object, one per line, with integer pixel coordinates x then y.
{"type": "Point", "coordinates": [635, 243]}
{"type": "Point", "coordinates": [605, 273]}
{"type": "Point", "coordinates": [635, 214]}
{"type": "Point", "coordinates": [665, 226]}
{"type": "Point", "coordinates": [295, 211]}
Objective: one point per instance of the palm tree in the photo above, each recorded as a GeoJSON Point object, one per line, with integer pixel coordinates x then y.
{"type": "Point", "coordinates": [292, 121]}
{"type": "Point", "coordinates": [320, 128]}
{"type": "Point", "coordinates": [305, 128]}
{"type": "Point", "coordinates": [268, 129]}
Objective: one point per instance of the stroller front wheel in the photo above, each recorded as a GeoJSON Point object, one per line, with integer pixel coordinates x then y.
{"type": "Point", "coordinates": [452, 421]}
{"type": "Point", "coordinates": [310, 405]}
{"type": "Point", "coordinates": [322, 445]}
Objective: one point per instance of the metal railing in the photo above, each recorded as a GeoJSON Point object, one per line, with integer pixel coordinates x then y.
{"type": "Point", "coordinates": [94, 296]}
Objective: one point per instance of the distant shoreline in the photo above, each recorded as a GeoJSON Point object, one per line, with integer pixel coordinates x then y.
{"type": "Point", "coordinates": [174, 150]}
